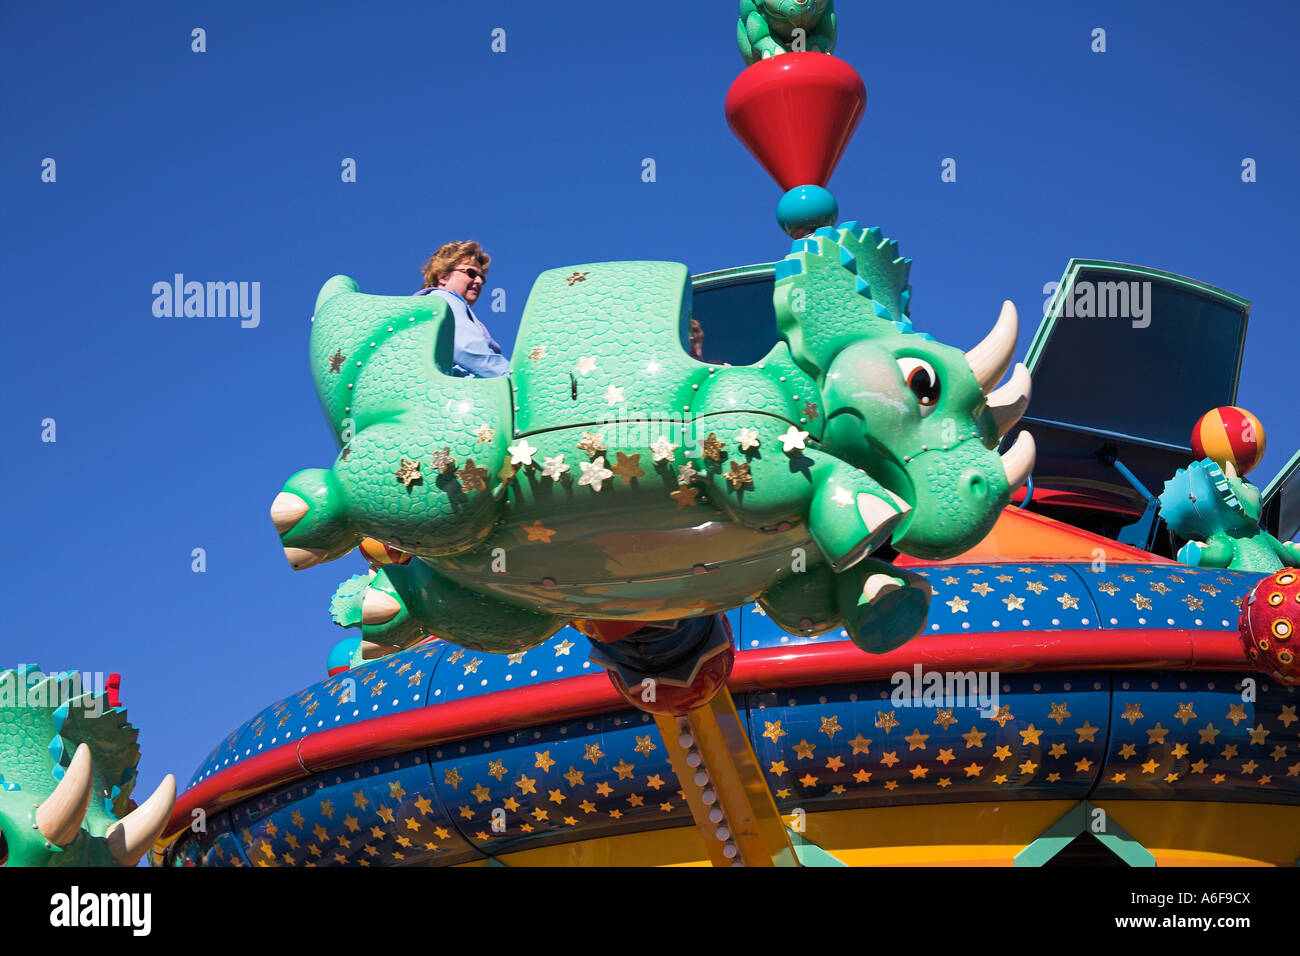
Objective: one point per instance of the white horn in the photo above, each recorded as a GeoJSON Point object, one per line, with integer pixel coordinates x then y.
{"type": "Point", "coordinates": [1018, 461]}
{"type": "Point", "coordinates": [60, 814]}
{"type": "Point", "coordinates": [1009, 402]}
{"type": "Point", "coordinates": [990, 359]}
{"type": "Point", "coordinates": [130, 838]}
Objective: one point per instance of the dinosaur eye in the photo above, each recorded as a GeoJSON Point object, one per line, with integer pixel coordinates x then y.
{"type": "Point", "coordinates": [922, 380]}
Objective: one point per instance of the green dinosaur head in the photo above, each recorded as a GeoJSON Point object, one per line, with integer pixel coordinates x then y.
{"type": "Point", "coordinates": [67, 768]}
{"type": "Point", "coordinates": [920, 417]}
{"type": "Point", "coordinates": [797, 13]}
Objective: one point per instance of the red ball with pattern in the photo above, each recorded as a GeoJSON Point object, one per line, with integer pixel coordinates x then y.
{"type": "Point", "coordinates": [1267, 626]}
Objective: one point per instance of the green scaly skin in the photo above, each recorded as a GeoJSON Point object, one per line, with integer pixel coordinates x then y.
{"type": "Point", "coordinates": [502, 567]}
{"type": "Point", "coordinates": [30, 738]}
{"type": "Point", "coordinates": [766, 27]}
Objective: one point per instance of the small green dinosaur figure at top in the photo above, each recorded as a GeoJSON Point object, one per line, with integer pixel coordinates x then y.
{"type": "Point", "coordinates": [1218, 513]}
{"type": "Point", "coordinates": [772, 27]}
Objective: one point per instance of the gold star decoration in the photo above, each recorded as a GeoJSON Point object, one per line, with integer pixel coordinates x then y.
{"type": "Point", "coordinates": [472, 478]}
{"type": "Point", "coordinates": [1132, 713]}
{"type": "Point", "coordinates": [497, 768]}
{"type": "Point", "coordinates": [623, 769]}
{"type": "Point", "coordinates": [1160, 587]}
{"type": "Point", "coordinates": [792, 440]}
{"type": "Point", "coordinates": [594, 473]}
{"type": "Point", "coordinates": [1003, 715]}
{"type": "Point", "coordinates": [738, 477]}
{"type": "Point", "coordinates": [662, 449]}
{"type": "Point", "coordinates": [536, 352]}
{"type": "Point", "coordinates": [944, 718]}
{"type": "Point", "coordinates": [453, 778]}
{"type": "Point", "coordinates": [830, 726]}
{"type": "Point", "coordinates": [1068, 602]}
{"type": "Point", "coordinates": [1193, 603]}
{"type": "Point", "coordinates": [1142, 602]}
{"type": "Point", "coordinates": [644, 745]}
{"type": "Point", "coordinates": [592, 444]}
{"type": "Point", "coordinates": [544, 760]}
{"type": "Point", "coordinates": [773, 730]}
{"type": "Point", "coordinates": [1185, 712]}
{"type": "Point", "coordinates": [1038, 587]}
{"type": "Point", "coordinates": [886, 721]}
{"type": "Point", "coordinates": [526, 784]}
{"type": "Point", "coordinates": [576, 277]}
{"type": "Point", "coordinates": [408, 473]}
{"type": "Point", "coordinates": [957, 604]}
{"type": "Point", "coordinates": [594, 753]}
{"type": "Point", "coordinates": [554, 468]}
{"type": "Point", "coordinates": [538, 532]}
{"type": "Point", "coordinates": [614, 395]}
{"type": "Point", "coordinates": [685, 497]}
{"type": "Point", "coordinates": [981, 588]}
{"type": "Point", "coordinates": [1014, 603]}
{"type": "Point", "coordinates": [747, 438]}
{"type": "Point", "coordinates": [522, 453]}
{"type": "Point", "coordinates": [442, 461]}
{"type": "Point", "coordinates": [574, 776]}
{"type": "Point", "coordinates": [804, 749]}
{"type": "Point", "coordinates": [337, 360]}
{"type": "Point", "coordinates": [1059, 713]}
{"type": "Point", "coordinates": [1087, 732]}
{"type": "Point", "coordinates": [1236, 713]}
{"type": "Point", "coordinates": [628, 467]}
{"type": "Point", "coordinates": [1108, 587]}
{"type": "Point", "coordinates": [1029, 735]}
{"type": "Point", "coordinates": [484, 434]}
{"type": "Point", "coordinates": [562, 649]}
{"type": "Point", "coordinates": [916, 740]}
{"type": "Point", "coordinates": [711, 448]}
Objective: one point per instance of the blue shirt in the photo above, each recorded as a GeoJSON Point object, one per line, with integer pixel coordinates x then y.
{"type": "Point", "coordinates": [477, 354]}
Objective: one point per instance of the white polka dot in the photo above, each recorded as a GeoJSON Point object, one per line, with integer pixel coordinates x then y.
{"type": "Point", "coordinates": [997, 623]}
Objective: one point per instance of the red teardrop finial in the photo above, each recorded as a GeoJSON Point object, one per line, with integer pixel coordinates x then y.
{"type": "Point", "coordinates": [796, 113]}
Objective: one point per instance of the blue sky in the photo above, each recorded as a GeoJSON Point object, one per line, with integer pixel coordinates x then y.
{"type": "Point", "coordinates": [175, 434]}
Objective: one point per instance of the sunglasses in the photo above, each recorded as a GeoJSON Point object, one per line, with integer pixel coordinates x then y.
{"type": "Point", "coordinates": [472, 273]}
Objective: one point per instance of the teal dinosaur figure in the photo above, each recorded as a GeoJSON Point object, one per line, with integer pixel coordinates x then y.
{"type": "Point", "coordinates": [613, 476]}
{"type": "Point", "coordinates": [1218, 512]}
{"type": "Point", "coordinates": [67, 769]}
{"type": "Point", "coordinates": [767, 27]}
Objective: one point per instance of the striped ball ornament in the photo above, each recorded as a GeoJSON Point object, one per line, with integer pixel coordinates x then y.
{"type": "Point", "coordinates": [1229, 434]}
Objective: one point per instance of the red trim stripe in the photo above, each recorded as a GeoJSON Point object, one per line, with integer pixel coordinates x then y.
{"type": "Point", "coordinates": [834, 662]}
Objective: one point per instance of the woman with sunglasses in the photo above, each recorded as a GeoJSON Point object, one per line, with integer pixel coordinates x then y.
{"type": "Point", "coordinates": [456, 272]}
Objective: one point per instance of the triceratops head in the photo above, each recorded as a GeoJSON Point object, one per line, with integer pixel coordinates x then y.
{"type": "Point", "coordinates": [59, 804]}
{"type": "Point", "coordinates": [922, 418]}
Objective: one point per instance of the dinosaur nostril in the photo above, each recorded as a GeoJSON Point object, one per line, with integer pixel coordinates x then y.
{"type": "Point", "coordinates": [975, 485]}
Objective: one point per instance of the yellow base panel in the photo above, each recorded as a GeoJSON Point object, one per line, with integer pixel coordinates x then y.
{"type": "Point", "coordinates": [1178, 833]}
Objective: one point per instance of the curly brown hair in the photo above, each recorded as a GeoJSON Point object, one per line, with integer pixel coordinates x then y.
{"type": "Point", "coordinates": [445, 259]}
